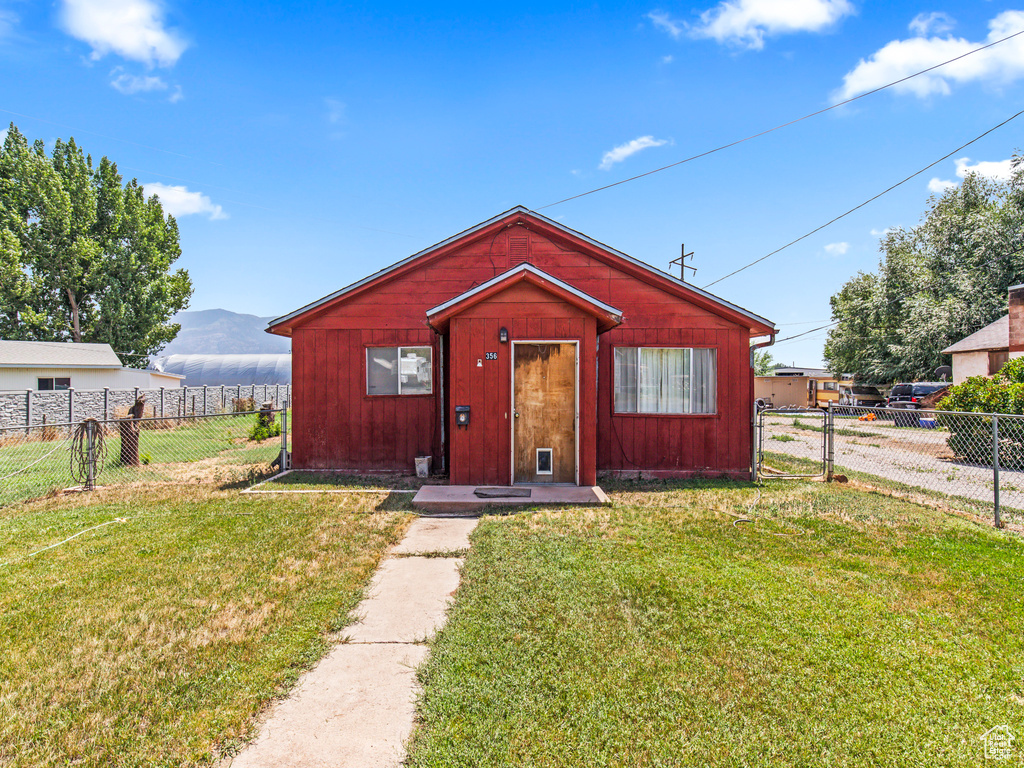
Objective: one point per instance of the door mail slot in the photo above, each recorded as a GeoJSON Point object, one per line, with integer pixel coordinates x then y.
{"type": "Point", "coordinates": [462, 415]}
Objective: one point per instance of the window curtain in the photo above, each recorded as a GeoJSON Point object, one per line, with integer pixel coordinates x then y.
{"type": "Point", "coordinates": [665, 380]}
{"type": "Point", "coordinates": [625, 379]}
{"type": "Point", "coordinates": [705, 381]}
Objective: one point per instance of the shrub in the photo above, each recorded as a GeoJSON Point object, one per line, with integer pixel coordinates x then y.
{"type": "Point", "coordinates": [263, 431]}
{"type": "Point", "coordinates": [971, 438]}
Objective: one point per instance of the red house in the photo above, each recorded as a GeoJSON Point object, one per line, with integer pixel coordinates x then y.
{"type": "Point", "coordinates": [522, 351]}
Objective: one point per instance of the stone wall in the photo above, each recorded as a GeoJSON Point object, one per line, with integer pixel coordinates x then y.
{"type": "Point", "coordinates": [71, 405]}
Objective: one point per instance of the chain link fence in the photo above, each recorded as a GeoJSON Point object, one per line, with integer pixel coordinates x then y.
{"type": "Point", "coordinates": [39, 459]}
{"type": "Point", "coordinates": [968, 461]}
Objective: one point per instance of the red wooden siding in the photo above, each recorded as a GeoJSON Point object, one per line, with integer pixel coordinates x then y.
{"type": "Point", "coordinates": [338, 425]}
{"type": "Point", "coordinates": [482, 452]}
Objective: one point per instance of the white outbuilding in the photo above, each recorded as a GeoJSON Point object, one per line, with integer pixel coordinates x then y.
{"type": "Point", "coordinates": [56, 365]}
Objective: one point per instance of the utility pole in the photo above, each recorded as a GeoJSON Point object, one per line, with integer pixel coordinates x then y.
{"type": "Point", "coordinates": [681, 261]}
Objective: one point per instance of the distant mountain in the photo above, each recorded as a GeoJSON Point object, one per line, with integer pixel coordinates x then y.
{"type": "Point", "coordinates": [220, 332]}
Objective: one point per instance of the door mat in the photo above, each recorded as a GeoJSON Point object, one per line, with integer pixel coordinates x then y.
{"type": "Point", "coordinates": [503, 493]}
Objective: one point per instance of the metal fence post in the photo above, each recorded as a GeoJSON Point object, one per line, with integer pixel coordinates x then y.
{"type": "Point", "coordinates": [106, 403]}
{"type": "Point", "coordinates": [753, 445]}
{"type": "Point", "coordinates": [205, 388]}
{"type": "Point", "coordinates": [284, 437]}
{"type": "Point", "coordinates": [162, 402]}
{"type": "Point", "coordinates": [995, 468]}
{"type": "Point", "coordinates": [222, 398]}
{"type": "Point", "coordinates": [71, 405]}
{"type": "Point", "coordinates": [830, 445]}
{"type": "Point", "coordinates": [90, 430]}
{"type": "Point", "coordinates": [28, 409]}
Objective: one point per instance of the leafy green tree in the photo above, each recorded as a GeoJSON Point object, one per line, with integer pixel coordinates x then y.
{"type": "Point", "coordinates": [764, 364]}
{"type": "Point", "coordinates": [84, 257]}
{"type": "Point", "coordinates": [936, 283]}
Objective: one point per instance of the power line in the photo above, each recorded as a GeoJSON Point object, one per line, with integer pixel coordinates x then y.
{"type": "Point", "coordinates": [781, 125]}
{"type": "Point", "coordinates": [869, 200]}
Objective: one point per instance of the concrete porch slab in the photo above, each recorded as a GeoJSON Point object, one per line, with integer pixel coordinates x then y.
{"type": "Point", "coordinates": [455, 499]}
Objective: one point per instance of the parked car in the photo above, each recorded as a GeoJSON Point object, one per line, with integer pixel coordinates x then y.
{"type": "Point", "coordinates": [861, 395]}
{"type": "Point", "coordinates": [908, 398]}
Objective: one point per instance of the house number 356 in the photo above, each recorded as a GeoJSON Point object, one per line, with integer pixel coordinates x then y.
{"type": "Point", "coordinates": [491, 356]}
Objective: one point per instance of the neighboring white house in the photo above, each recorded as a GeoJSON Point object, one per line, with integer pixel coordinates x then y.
{"type": "Point", "coordinates": [983, 352]}
{"type": "Point", "coordinates": [52, 365]}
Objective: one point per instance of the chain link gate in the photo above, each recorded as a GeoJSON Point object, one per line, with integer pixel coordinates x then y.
{"type": "Point", "coordinates": [805, 434]}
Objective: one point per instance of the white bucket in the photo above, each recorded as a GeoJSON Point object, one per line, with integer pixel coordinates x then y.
{"type": "Point", "coordinates": [423, 466]}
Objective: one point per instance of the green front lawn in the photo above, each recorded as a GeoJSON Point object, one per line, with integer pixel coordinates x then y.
{"type": "Point", "coordinates": [838, 628]}
{"type": "Point", "coordinates": [155, 641]}
{"type": "Point", "coordinates": [214, 448]}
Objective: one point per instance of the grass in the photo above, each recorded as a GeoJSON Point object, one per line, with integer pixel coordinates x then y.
{"type": "Point", "coordinates": [794, 465]}
{"type": "Point", "coordinates": [784, 438]}
{"type": "Point", "coordinates": [206, 448]}
{"type": "Point", "coordinates": [313, 481]}
{"type": "Point", "coordinates": [839, 628]}
{"type": "Point", "coordinates": [155, 641]}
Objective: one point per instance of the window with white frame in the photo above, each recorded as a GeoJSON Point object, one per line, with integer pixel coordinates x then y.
{"type": "Point", "coordinates": [399, 371]}
{"type": "Point", "coordinates": [665, 380]}
{"type": "Point", "coordinates": [44, 385]}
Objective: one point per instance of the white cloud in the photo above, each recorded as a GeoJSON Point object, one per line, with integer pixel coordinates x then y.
{"type": "Point", "coordinates": [8, 21]}
{"type": "Point", "coordinates": [748, 22]}
{"type": "Point", "coordinates": [935, 22]}
{"type": "Point", "coordinates": [133, 29]}
{"type": "Point", "coordinates": [837, 249]}
{"type": "Point", "coordinates": [621, 152]}
{"type": "Point", "coordinates": [882, 232]}
{"type": "Point", "coordinates": [667, 59]}
{"type": "Point", "coordinates": [129, 84]}
{"type": "Point", "coordinates": [1003, 63]}
{"type": "Point", "coordinates": [997, 170]}
{"type": "Point", "coordinates": [667, 24]}
{"type": "Point", "coordinates": [178, 201]}
{"type": "Point", "coordinates": [176, 95]}
{"type": "Point", "coordinates": [937, 186]}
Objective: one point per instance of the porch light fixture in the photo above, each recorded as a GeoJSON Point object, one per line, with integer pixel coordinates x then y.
{"type": "Point", "coordinates": [503, 335]}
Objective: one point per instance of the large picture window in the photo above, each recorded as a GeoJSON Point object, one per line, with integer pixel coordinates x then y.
{"type": "Point", "coordinates": [399, 371]}
{"type": "Point", "coordinates": [665, 380]}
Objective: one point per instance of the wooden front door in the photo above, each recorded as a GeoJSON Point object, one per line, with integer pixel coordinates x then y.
{"type": "Point", "coordinates": [544, 406]}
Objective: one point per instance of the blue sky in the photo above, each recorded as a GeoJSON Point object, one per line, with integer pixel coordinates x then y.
{"type": "Point", "coordinates": [305, 145]}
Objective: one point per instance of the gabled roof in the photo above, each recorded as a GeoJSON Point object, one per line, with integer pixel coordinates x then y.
{"type": "Point", "coordinates": [56, 354]}
{"type": "Point", "coordinates": [607, 316]}
{"type": "Point", "coordinates": [993, 336]}
{"type": "Point", "coordinates": [757, 324]}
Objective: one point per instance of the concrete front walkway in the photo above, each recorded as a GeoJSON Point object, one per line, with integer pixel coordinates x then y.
{"type": "Point", "coordinates": [356, 707]}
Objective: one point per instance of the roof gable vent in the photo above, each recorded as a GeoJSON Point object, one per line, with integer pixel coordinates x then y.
{"type": "Point", "coordinates": [518, 249]}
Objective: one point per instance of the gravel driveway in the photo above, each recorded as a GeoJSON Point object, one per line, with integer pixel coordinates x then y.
{"type": "Point", "coordinates": [909, 455]}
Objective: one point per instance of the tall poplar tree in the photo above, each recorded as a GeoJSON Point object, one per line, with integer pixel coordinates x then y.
{"type": "Point", "coordinates": [83, 256]}
{"type": "Point", "coordinates": [936, 283]}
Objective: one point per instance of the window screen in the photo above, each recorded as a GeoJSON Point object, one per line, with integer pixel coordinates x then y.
{"type": "Point", "coordinates": [665, 380]}
{"type": "Point", "coordinates": [399, 371]}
